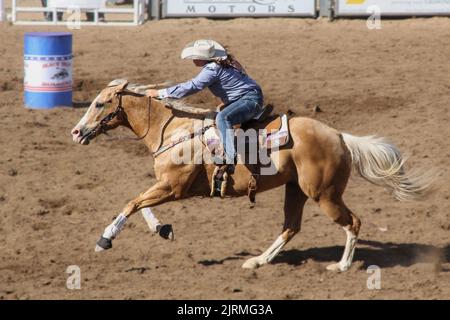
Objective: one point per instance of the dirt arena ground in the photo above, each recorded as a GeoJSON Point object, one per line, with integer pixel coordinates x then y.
{"type": "Point", "coordinates": [56, 197]}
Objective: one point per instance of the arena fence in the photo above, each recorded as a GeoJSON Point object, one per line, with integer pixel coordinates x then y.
{"type": "Point", "coordinates": [130, 16]}
{"type": "Point", "coordinates": [156, 9]}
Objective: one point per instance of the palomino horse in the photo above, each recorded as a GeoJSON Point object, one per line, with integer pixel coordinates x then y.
{"type": "Point", "coordinates": [316, 164]}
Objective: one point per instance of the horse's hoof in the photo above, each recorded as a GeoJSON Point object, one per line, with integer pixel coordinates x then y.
{"type": "Point", "coordinates": [166, 232]}
{"type": "Point", "coordinates": [251, 263]}
{"type": "Point", "coordinates": [103, 244]}
{"type": "Point", "coordinates": [336, 267]}
{"type": "Point", "coordinates": [98, 249]}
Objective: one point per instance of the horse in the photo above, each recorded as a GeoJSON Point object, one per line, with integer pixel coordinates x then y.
{"type": "Point", "coordinates": [315, 165]}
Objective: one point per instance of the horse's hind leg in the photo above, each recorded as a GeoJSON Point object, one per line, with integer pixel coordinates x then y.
{"type": "Point", "coordinates": [335, 208]}
{"type": "Point", "coordinates": [293, 208]}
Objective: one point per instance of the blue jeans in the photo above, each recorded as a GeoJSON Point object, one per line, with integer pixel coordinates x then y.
{"type": "Point", "coordinates": [237, 112]}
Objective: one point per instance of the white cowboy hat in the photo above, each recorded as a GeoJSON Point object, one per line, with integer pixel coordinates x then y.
{"type": "Point", "coordinates": [204, 50]}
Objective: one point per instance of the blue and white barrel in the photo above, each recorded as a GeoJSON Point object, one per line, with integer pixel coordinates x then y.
{"type": "Point", "coordinates": [48, 69]}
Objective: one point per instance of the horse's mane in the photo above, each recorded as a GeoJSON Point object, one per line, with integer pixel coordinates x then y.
{"type": "Point", "coordinates": [176, 104]}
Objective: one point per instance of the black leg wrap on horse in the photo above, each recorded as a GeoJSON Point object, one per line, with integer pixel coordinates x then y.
{"type": "Point", "coordinates": [104, 243]}
{"type": "Point", "coordinates": [166, 231]}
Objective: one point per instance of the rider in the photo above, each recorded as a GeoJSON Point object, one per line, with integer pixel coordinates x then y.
{"type": "Point", "coordinates": [241, 96]}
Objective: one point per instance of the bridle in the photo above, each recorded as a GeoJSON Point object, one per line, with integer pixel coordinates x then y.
{"type": "Point", "coordinates": [103, 125]}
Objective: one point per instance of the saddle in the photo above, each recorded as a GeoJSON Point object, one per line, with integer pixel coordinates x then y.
{"type": "Point", "coordinates": [264, 131]}
{"type": "Point", "coordinates": [272, 130]}
{"type": "Point", "coordinates": [268, 132]}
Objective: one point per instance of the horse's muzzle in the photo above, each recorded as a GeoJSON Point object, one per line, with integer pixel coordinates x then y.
{"type": "Point", "coordinates": [82, 135]}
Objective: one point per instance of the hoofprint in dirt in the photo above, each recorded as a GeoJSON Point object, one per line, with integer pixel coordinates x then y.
{"type": "Point", "coordinates": [56, 197]}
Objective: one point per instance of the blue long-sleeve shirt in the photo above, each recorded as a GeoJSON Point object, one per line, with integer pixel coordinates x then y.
{"type": "Point", "coordinates": [228, 84]}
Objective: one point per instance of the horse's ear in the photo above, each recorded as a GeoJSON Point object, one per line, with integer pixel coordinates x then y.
{"type": "Point", "coordinates": [121, 87]}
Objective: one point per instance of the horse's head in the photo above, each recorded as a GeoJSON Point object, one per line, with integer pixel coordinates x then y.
{"type": "Point", "coordinates": [104, 113]}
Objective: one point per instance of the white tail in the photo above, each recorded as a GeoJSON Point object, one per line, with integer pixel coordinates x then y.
{"type": "Point", "coordinates": [381, 163]}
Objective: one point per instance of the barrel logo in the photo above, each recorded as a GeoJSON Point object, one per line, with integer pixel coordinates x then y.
{"type": "Point", "coordinates": [48, 73]}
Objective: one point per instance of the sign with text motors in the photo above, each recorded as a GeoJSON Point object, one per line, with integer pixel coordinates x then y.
{"type": "Point", "coordinates": [392, 7]}
{"type": "Point", "coordinates": [239, 8]}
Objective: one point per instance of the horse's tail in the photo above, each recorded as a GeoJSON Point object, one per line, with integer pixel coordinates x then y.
{"type": "Point", "coordinates": [382, 163]}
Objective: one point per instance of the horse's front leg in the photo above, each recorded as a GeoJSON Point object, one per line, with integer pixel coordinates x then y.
{"type": "Point", "coordinates": [160, 192]}
{"type": "Point", "coordinates": [164, 230]}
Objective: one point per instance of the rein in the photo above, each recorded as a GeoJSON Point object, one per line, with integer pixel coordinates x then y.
{"type": "Point", "coordinates": [166, 147]}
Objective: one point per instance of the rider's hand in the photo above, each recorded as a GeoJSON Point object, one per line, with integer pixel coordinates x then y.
{"type": "Point", "coordinates": [152, 93]}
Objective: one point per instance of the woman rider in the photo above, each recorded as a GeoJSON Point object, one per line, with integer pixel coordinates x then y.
{"type": "Point", "coordinates": [222, 74]}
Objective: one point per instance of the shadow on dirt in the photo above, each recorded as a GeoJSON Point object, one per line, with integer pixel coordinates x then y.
{"type": "Point", "coordinates": [237, 256]}
{"type": "Point", "coordinates": [384, 255]}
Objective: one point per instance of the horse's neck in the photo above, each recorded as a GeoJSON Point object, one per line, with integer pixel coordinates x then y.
{"type": "Point", "coordinates": [152, 123]}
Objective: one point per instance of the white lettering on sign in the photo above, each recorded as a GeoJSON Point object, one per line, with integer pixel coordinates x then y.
{"type": "Point", "coordinates": [48, 73]}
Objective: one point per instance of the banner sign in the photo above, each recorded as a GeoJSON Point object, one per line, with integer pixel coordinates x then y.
{"type": "Point", "coordinates": [392, 7]}
{"type": "Point", "coordinates": [239, 8]}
